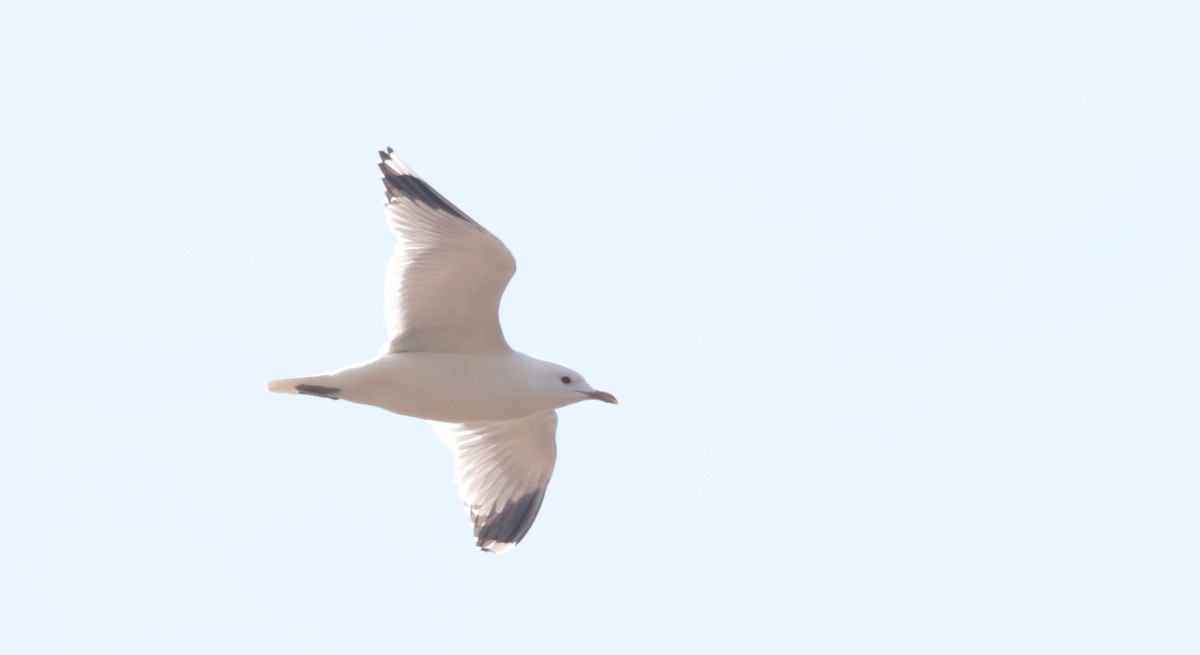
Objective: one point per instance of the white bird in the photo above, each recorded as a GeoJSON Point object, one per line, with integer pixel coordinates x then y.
{"type": "Point", "coordinates": [446, 360]}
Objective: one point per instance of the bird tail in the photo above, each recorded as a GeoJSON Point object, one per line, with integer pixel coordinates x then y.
{"type": "Point", "coordinates": [317, 385]}
{"type": "Point", "coordinates": [284, 386]}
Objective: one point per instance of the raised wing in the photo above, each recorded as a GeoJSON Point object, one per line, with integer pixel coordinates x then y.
{"type": "Point", "coordinates": [502, 469]}
{"type": "Point", "coordinates": [446, 275]}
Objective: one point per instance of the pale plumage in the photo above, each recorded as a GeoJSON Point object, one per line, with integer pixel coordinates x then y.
{"type": "Point", "coordinates": [502, 469]}
{"type": "Point", "coordinates": [446, 360]}
{"type": "Point", "coordinates": [446, 274]}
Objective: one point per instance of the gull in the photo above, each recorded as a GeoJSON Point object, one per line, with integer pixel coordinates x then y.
{"type": "Point", "coordinates": [446, 361]}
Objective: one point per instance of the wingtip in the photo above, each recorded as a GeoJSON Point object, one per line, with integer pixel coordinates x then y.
{"type": "Point", "coordinates": [495, 547]}
{"type": "Point", "coordinates": [502, 530]}
{"type": "Point", "coordinates": [403, 182]}
{"type": "Point", "coordinates": [389, 163]}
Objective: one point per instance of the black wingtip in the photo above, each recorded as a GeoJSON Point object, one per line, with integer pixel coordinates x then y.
{"type": "Point", "coordinates": [509, 526]}
{"type": "Point", "coordinates": [317, 390]}
{"type": "Point", "coordinates": [407, 185]}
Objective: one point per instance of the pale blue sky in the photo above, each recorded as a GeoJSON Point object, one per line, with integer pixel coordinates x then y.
{"type": "Point", "coordinates": [900, 301]}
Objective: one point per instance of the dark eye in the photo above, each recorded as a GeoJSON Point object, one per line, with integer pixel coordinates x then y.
{"type": "Point", "coordinates": [566, 379]}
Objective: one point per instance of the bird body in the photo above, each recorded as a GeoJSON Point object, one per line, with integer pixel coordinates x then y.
{"type": "Point", "coordinates": [450, 387]}
{"type": "Point", "coordinates": [446, 361]}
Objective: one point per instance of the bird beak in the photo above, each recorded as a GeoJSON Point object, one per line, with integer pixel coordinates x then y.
{"type": "Point", "coordinates": [601, 395]}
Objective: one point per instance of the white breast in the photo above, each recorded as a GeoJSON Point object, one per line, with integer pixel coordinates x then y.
{"type": "Point", "coordinates": [450, 387]}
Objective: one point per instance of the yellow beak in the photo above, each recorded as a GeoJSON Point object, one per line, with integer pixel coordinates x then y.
{"type": "Point", "coordinates": [601, 395]}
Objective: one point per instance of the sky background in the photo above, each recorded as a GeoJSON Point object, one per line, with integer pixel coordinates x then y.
{"type": "Point", "coordinates": [900, 301]}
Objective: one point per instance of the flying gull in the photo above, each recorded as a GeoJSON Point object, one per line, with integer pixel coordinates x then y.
{"type": "Point", "coordinates": [446, 361]}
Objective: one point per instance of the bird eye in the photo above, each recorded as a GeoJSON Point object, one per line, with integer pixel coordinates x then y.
{"type": "Point", "coordinates": [566, 379]}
